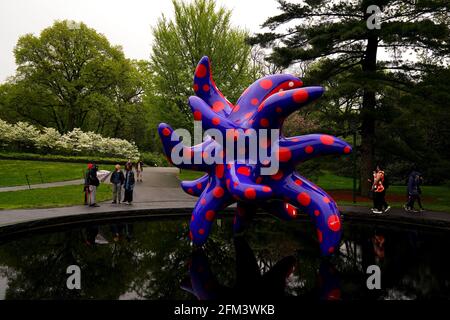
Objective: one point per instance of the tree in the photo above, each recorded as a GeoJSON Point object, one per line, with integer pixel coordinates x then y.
{"type": "Point", "coordinates": [372, 60]}
{"type": "Point", "coordinates": [199, 28]}
{"type": "Point", "coordinates": [70, 77]}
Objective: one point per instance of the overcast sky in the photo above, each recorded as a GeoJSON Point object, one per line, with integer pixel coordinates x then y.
{"type": "Point", "coordinates": [123, 22]}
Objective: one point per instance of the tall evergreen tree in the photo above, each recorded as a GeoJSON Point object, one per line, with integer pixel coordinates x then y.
{"type": "Point", "coordinates": [345, 35]}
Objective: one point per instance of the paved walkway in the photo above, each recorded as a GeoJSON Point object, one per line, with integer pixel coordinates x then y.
{"type": "Point", "coordinates": [160, 193]}
{"type": "Point", "coordinates": [43, 185]}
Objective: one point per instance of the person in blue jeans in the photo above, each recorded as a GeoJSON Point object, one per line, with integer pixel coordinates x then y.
{"type": "Point", "coordinates": [128, 183]}
{"type": "Point", "coordinates": [117, 179]}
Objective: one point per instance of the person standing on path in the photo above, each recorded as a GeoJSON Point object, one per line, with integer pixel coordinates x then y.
{"type": "Point", "coordinates": [128, 184]}
{"type": "Point", "coordinates": [93, 183]}
{"type": "Point", "coordinates": [117, 179]}
{"type": "Point", "coordinates": [139, 168]}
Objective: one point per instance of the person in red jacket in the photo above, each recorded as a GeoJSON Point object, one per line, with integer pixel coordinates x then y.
{"type": "Point", "coordinates": [379, 192]}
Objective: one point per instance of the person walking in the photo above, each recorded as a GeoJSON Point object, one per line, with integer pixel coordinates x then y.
{"type": "Point", "coordinates": [92, 182]}
{"type": "Point", "coordinates": [415, 179]}
{"type": "Point", "coordinates": [139, 168]}
{"type": "Point", "coordinates": [128, 184]}
{"type": "Point", "coordinates": [117, 179]}
{"type": "Point", "coordinates": [379, 192]}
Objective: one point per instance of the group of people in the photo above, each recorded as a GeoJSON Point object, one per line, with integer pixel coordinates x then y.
{"type": "Point", "coordinates": [118, 178]}
{"type": "Point", "coordinates": [380, 184]}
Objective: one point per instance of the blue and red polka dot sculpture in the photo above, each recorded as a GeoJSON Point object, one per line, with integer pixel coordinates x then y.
{"type": "Point", "coordinates": [263, 105]}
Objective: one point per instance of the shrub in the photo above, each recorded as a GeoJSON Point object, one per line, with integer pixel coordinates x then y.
{"type": "Point", "coordinates": [23, 136]}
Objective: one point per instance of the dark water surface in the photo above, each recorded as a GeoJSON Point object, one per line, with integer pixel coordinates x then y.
{"type": "Point", "coordinates": [152, 259]}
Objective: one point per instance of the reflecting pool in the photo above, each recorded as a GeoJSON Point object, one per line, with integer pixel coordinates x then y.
{"type": "Point", "coordinates": [152, 259]}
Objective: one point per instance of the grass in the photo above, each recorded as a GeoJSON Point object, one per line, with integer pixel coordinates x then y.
{"type": "Point", "coordinates": [50, 197]}
{"type": "Point", "coordinates": [440, 195]}
{"type": "Point", "coordinates": [12, 172]}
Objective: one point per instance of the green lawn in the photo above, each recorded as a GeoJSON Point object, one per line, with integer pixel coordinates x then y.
{"type": "Point", "coordinates": [12, 172]}
{"type": "Point", "coordinates": [50, 197]}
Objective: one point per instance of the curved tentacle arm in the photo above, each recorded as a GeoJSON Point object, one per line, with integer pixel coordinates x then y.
{"type": "Point", "coordinates": [195, 187]}
{"type": "Point", "coordinates": [260, 90]}
{"type": "Point", "coordinates": [302, 148]}
{"type": "Point", "coordinates": [213, 199]}
{"type": "Point", "coordinates": [210, 119]}
{"type": "Point", "coordinates": [276, 108]}
{"type": "Point", "coordinates": [206, 89]}
{"type": "Point", "coordinates": [281, 209]}
{"type": "Point", "coordinates": [321, 208]}
{"type": "Point", "coordinates": [244, 215]}
{"type": "Point", "coordinates": [241, 185]}
{"type": "Point", "coordinates": [203, 283]}
{"type": "Point", "coordinates": [188, 157]}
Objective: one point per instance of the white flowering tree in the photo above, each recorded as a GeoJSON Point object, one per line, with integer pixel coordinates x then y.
{"type": "Point", "coordinates": [25, 135]}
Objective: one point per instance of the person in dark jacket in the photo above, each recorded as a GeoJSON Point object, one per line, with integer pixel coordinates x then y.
{"type": "Point", "coordinates": [92, 182]}
{"type": "Point", "coordinates": [128, 184]}
{"type": "Point", "coordinates": [415, 179]}
{"type": "Point", "coordinates": [117, 179]}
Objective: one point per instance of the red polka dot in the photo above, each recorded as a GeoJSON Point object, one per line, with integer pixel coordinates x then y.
{"type": "Point", "coordinates": [264, 122]}
{"type": "Point", "coordinates": [309, 149]}
{"type": "Point", "coordinates": [190, 190]}
{"type": "Point", "coordinates": [298, 182]}
{"type": "Point", "coordinates": [347, 149]}
{"type": "Point", "coordinates": [199, 185]}
{"type": "Point", "coordinates": [250, 193]}
{"type": "Point", "coordinates": [264, 143]}
{"type": "Point", "coordinates": [254, 101]}
{"type": "Point", "coordinates": [210, 215]}
{"type": "Point", "coordinates": [206, 87]}
{"type": "Point", "coordinates": [300, 96]}
{"type": "Point", "coordinates": [190, 235]}
{"type": "Point", "coordinates": [192, 218]}
{"type": "Point", "coordinates": [266, 189]}
{"type": "Point", "coordinates": [316, 213]}
{"type": "Point", "coordinates": [326, 139]}
{"type": "Point", "coordinates": [304, 199]}
{"type": "Point", "coordinates": [203, 201]}
{"type": "Point", "coordinates": [331, 250]}
{"type": "Point", "coordinates": [201, 71]}
{"type": "Point", "coordinates": [197, 115]}
{"type": "Point", "coordinates": [326, 199]}
{"type": "Point", "coordinates": [236, 108]}
{"type": "Point", "coordinates": [218, 192]}
{"type": "Point", "coordinates": [277, 176]}
{"type": "Point", "coordinates": [334, 223]}
{"type": "Point", "coordinates": [195, 87]}
{"type": "Point", "coordinates": [266, 84]}
{"type": "Point", "coordinates": [219, 171]}
{"type": "Point", "coordinates": [201, 231]}
{"type": "Point", "coordinates": [235, 184]}
{"type": "Point", "coordinates": [291, 210]}
{"type": "Point", "coordinates": [319, 236]}
{"type": "Point", "coordinates": [284, 154]}
{"type": "Point", "coordinates": [278, 109]}
{"type": "Point", "coordinates": [259, 180]}
{"type": "Point", "coordinates": [218, 106]}
{"type": "Point", "coordinates": [166, 132]}
{"type": "Point", "coordinates": [215, 121]}
{"type": "Point", "coordinates": [245, 171]}
{"type": "Point", "coordinates": [248, 115]}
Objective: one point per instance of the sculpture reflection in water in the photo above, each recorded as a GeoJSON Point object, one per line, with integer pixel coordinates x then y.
{"type": "Point", "coordinates": [250, 283]}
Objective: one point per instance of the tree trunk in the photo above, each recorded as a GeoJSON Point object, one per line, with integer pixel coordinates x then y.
{"type": "Point", "coordinates": [368, 114]}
